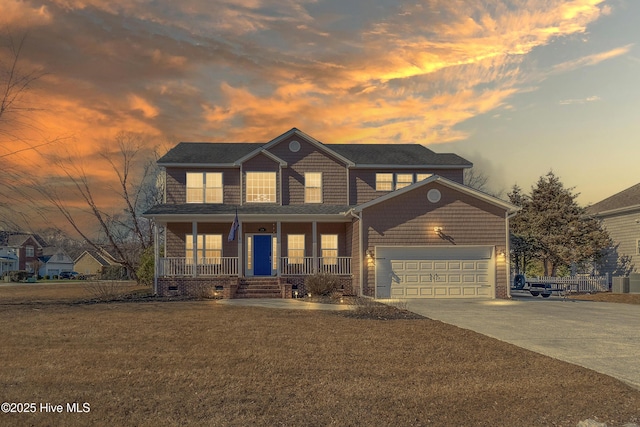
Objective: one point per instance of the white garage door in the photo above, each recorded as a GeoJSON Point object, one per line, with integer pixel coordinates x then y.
{"type": "Point", "coordinates": [431, 272]}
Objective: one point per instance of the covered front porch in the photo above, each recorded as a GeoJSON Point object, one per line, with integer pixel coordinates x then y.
{"type": "Point", "coordinates": [259, 253]}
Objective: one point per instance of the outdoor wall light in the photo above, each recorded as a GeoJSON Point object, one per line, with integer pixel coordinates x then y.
{"type": "Point", "coordinates": [438, 230]}
{"type": "Point", "coordinates": [369, 253]}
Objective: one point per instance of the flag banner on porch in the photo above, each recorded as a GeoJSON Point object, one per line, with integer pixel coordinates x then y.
{"type": "Point", "coordinates": [234, 228]}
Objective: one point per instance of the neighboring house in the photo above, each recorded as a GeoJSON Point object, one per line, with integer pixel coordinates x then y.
{"type": "Point", "coordinates": [94, 263]}
{"type": "Point", "coordinates": [8, 260]}
{"type": "Point", "coordinates": [620, 215]}
{"type": "Point", "coordinates": [391, 220]}
{"type": "Point", "coordinates": [28, 247]}
{"type": "Point", "coordinates": [53, 261]}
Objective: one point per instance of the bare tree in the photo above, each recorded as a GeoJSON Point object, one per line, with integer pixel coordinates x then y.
{"type": "Point", "coordinates": [478, 180]}
{"type": "Point", "coordinates": [14, 83]}
{"type": "Point", "coordinates": [122, 230]}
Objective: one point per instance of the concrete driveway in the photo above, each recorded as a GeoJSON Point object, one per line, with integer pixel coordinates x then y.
{"type": "Point", "coordinates": [604, 337]}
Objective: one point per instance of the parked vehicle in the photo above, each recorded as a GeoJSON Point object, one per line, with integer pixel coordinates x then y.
{"type": "Point", "coordinates": [72, 275]}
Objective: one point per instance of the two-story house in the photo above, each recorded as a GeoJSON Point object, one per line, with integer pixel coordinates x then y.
{"type": "Point", "coordinates": [54, 261]}
{"type": "Point", "coordinates": [27, 247]}
{"type": "Point", "coordinates": [391, 220]}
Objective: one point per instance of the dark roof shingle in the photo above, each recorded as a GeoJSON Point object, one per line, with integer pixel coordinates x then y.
{"type": "Point", "coordinates": [624, 199]}
{"type": "Point", "coordinates": [396, 154]}
{"type": "Point", "coordinates": [360, 154]}
{"type": "Point", "coordinates": [208, 152]}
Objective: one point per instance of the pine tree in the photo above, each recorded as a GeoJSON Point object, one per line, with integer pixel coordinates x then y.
{"type": "Point", "coordinates": [553, 228]}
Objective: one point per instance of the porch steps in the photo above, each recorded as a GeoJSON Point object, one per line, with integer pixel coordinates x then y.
{"type": "Point", "coordinates": [258, 288]}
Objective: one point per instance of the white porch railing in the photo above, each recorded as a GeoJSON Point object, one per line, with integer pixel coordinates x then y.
{"type": "Point", "coordinates": [218, 266]}
{"type": "Point", "coordinates": [303, 266]}
{"type": "Point", "coordinates": [228, 266]}
{"type": "Point", "coordinates": [577, 283]}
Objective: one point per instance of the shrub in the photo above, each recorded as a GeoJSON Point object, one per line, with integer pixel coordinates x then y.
{"type": "Point", "coordinates": [20, 275]}
{"type": "Point", "coordinates": [322, 284]}
{"type": "Point", "coordinates": [145, 269]}
{"type": "Point", "coordinates": [113, 272]}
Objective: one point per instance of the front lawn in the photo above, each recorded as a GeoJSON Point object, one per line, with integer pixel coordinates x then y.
{"type": "Point", "coordinates": [204, 363]}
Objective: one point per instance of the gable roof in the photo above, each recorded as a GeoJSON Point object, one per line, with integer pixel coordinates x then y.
{"type": "Point", "coordinates": [229, 154]}
{"type": "Point", "coordinates": [628, 199]}
{"type": "Point", "coordinates": [102, 257]}
{"type": "Point", "coordinates": [364, 155]}
{"type": "Point", "coordinates": [509, 207]}
{"type": "Point", "coordinates": [18, 240]}
{"type": "Point", "coordinates": [217, 153]}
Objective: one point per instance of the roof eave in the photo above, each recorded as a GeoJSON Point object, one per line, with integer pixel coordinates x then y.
{"type": "Point", "coordinates": [425, 166]}
{"type": "Point", "coordinates": [164, 218]}
{"type": "Point", "coordinates": [617, 211]}
{"type": "Point", "coordinates": [199, 165]}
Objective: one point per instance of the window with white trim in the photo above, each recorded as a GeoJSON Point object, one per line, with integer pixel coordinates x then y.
{"type": "Point", "coordinates": [204, 187]}
{"type": "Point", "coordinates": [208, 249]}
{"type": "Point", "coordinates": [403, 180]}
{"type": "Point", "coordinates": [384, 182]}
{"type": "Point", "coordinates": [295, 248]}
{"type": "Point", "coordinates": [261, 187]}
{"type": "Point", "coordinates": [422, 176]}
{"type": "Point", "coordinates": [329, 249]}
{"type": "Point", "coordinates": [29, 251]}
{"type": "Point", "coordinates": [313, 187]}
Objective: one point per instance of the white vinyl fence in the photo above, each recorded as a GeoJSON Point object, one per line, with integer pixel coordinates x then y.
{"type": "Point", "coordinates": [576, 283]}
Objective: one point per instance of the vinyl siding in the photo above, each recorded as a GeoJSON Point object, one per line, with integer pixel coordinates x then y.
{"type": "Point", "coordinates": [362, 182]}
{"type": "Point", "coordinates": [177, 231]}
{"type": "Point", "coordinates": [409, 220]}
{"type": "Point", "coordinates": [310, 159]}
{"type": "Point", "coordinates": [176, 185]}
{"type": "Point", "coordinates": [622, 258]}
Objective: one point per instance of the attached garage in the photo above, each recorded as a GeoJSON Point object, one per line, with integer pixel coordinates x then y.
{"type": "Point", "coordinates": [435, 272]}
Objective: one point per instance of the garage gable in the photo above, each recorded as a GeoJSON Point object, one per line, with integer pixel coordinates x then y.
{"type": "Point", "coordinates": [435, 239]}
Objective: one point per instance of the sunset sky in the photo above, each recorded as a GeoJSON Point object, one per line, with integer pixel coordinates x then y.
{"type": "Point", "coordinates": [518, 87]}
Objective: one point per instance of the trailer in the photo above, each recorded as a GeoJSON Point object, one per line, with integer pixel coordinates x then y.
{"type": "Point", "coordinates": [545, 288]}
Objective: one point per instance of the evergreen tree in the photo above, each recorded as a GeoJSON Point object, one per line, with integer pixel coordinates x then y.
{"type": "Point", "coordinates": [553, 228]}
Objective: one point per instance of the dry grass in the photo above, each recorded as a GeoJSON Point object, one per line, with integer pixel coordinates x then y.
{"type": "Point", "coordinates": [67, 291]}
{"type": "Point", "coordinates": [609, 297]}
{"type": "Point", "coordinates": [203, 363]}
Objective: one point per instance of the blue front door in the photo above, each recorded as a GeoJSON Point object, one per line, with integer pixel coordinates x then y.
{"type": "Point", "coordinates": [262, 255]}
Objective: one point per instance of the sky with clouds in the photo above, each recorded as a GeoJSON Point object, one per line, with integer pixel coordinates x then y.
{"type": "Point", "coordinates": [518, 87]}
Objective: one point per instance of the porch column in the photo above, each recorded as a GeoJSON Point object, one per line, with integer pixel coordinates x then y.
{"type": "Point", "coordinates": [278, 255]}
{"type": "Point", "coordinates": [240, 238]}
{"type": "Point", "coordinates": [156, 257]}
{"type": "Point", "coordinates": [314, 247]}
{"type": "Point", "coordinates": [194, 232]}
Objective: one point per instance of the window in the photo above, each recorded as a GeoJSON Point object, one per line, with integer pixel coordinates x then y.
{"type": "Point", "coordinates": [250, 252]}
{"type": "Point", "coordinates": [313, 187]}
{"type": "Point", "coordinates": [296, 248]}
{"type": "Point", "coordinates": [638, 247]}
{"type": "Point", "coordinates": [261, 187]}
{"type": "Point", "coordinates": [384, 181]}
{"type": "Point", "coordinates": [204, 187]}
{"type": "Point", "coordinates": [29, 251]}
{"type": "Point", "coordinates": [421, 176]}
{"type": "Point", "coordinates": [274, 253]}
{"type": "Point", "coordinates": [208, 248]}
{"type": "Point", "coordinates": [403, 180]}
{"type": "Point", "coordinates": [329, 248]}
